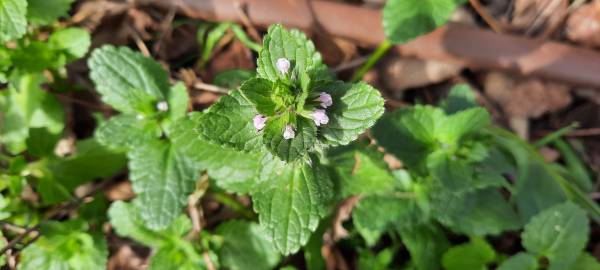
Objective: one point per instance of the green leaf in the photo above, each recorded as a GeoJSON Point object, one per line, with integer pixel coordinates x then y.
{"type": "Point", "coordinates": [473, 255]}
{"type": "Point", "coordinates": [3, 243]}
{"type": "Point", "coordinates": [234, 171]}
{"type": "Point", "coordinates": [36, 56]}
{"type": "Point", "coordinates": [426, 244]}
{"type": "Point", "coordinates": [73, 42]}
{"type": "Point", "coordinates": [41, 142]}
{"type": "Point", "coordinates": [559, 233]}
{"type": "Point", "coordinates": [65, 246]}
{"type": "Point", "coordinates": [13, 23]}
{"type": "Point", "coordinates": [291, 204]}
{"type": "Point", "coordinates": [233, 78]}
{"type": "Point", "coordinates": [521, 261]}
{"type": "Point", "coordinates": [127, 80]}
{"type": "Point", "coordinates": [379, 261]}
{"type": "Point", "coordinates": [376, 214]}
{"type": "Point", "coordinates": [261, 92]}
{"type": "Point", "coordinates": [461, 97]}
{"type": "Point", "coordinates": [178, 100]}
{"type": "Point", "coordinates": [124, 217]}
{"type": "Point", "coordinates": [246, 246]}
{"type": "Point", "coordinates": [126, 131]}
{"type": "Point", "coordinates": [454, 174]}
{"type": "Point", "coordinates": [461, 124]}
{"type": "Point", "coordinates": [405, 20]}
{"type": "Point", "coordinates": [229, 122]}
{"type": "Point", "coordinates": [477, 213]}
{"type": "Point", "coordinates": [355, 108]}
{"type": "Point", "coordinates": [587, 261]}
{"type": "Point", "coordinates": [360, 169]}
{"type": "Point", "coordinates": [292, 45]}
{"type": "Point", "coordinates": [45, 12]}
{"type": "Point", "coordinates": [289, 149]}
{"type": "Point", "coordinates": [29, 106]}
{"type": "Point", "coordinates": [172, 257]}
{"type": "Point", "coordinates": [162, 178]}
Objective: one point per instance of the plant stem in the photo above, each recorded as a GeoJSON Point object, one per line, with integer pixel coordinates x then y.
{"type": "Point", "coordinates": [232, 203]}
{"type": "Point", "coordinates": [555, 135]}
{"type": "Point", "coordinates": [379, 52]}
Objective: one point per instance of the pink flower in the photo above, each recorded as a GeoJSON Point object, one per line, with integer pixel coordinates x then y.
{"type": "Point", "coordinates": [320, 117]}
{"type": "Point", "coordinates": [325, 100]}
{"type": "Point", "coordinates": [288, 133]}
{"type": "Point", "coordinates": [283, 65]}
{"type": "Point", "coordinates": [259, 121]}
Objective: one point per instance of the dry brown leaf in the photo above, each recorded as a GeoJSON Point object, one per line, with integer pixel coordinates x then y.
{"type": "Point", "coordinates": [120, 191]}
{"type": "Point", "coordinates": [583, 26]}
{"type": "Point", "coordinates": [404, 73]}
{"type": "Point", "coordinates": [589, 93]}
{"type": "Point", "coordinates": [343, 213]}
{"type": "Point", "coordinates": [125, 259]}
{"type": "Point", "coordinates": [526, 97]}
{"type": "Point", "coordinates": [534, 16]}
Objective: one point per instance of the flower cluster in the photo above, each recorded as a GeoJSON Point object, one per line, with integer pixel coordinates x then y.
{"type": "Point", "coordinates": [319, 116]}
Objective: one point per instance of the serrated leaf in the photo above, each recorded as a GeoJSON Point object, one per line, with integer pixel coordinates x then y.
{"type": "Point", "coordinates": [162, 178]}
{"type": "Point", "coordinates": [229, 122]}
{"type": "Point", "coordinates": [355, 108]}
{"type": "Point", "coordinates": [261, 93]}
{"type": "Point", "coordinates": [558, 233]}
{"type": "Point", "coordinates": [291, 204]}
{"type": "Point", "coordinates": [246, 246]}
{"type": "Point", "coordinates": [461, 124]}
{"type": "Point", "coordinates": [127, 80]}
{"type": "Point", "coordinates": [291, 45]}
{"type": "Point", "coordinates": [65, 246]}
{"type": "Point", "coordinates": [73, 42]}
{"type": "Point", "coordinates": [289, 149]}
{"type": "Point", "coordinates": [453, 174]}
{"type": "Point", "coordinates": [126, 131]}
{"type": "Point", "coordinates": [404, 20]}
{"type": "Point", "coordinates": [44, 12]}
{"type": "Point", "coordinates": [360, 169]}
{"type": "Point", "coordinates": [29, 106]}
{"type": "Point", "coordinates": [474, 255]}
{"type": "Point", "coordinates": [233, 170]}
{"type": "Point", "coordinates": [426, 244]}
{"type": "Point", "coordinates": [13, 22]}
{"type": "Point", "coordinates": [124, 217]}
{"type": "Point", "coordinates": [461, 97]}
{"type": "Point", "coordinates": [521, 261]}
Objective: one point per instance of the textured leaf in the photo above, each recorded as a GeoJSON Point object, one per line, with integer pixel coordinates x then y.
{"type": "Point", "coordinates": [74, 42]}
{"type": "Point", "coordinates": [127, 80]}
{"type": "Point", "coordinates": [176, 258]}
{"type": "Point", "coordinates": [426, 244]}
{"type": "Point", "coordinates": [233, 170]}
{"type": "Point", "coordinates": [558, 233]}
{"type": "Point", "coordinates": [261, 93]}
{"type": "Point", "coordinates": [521, 261]}
{"type": "Point", "coordinates": [461, 124]}
{"type": "Point", "coordinates": [246, 246]}
{"type": "Point", "coordinates": [291, 204]}
{"type": "Point", "coordinates": [13, 22]}
{"type": "Point", "coordinates": [65, 246]}
{"type": "Point", "coordinates": [474, 255]}
{"type": "Point", "coordinates": [454, 174]}
{"type": "Point", "coordinates": [126, 131]}
{"type": "Point", "coordinates": [376, 214]}
{"type": "Point", "coordinates": [360, 169]}
{"type": "Point", "coordinates": [404, 20]}
{"type": "Point", "coordinates": [126, 222]}
{"type": "Point", "coordinates": [289, 149]}
{"type": "Point", "coordinates": [162, 177]}
{"type": "Point", "coordinates": [29, 106]}
{"type": "Point", "coordinates": [292, 45]}
{"type": "Point", "coordinates": [178, 100]}
{"type": "Point", "coordinates": [229, 122]}
{"type": "Point", "coordinates": [46, 12]}
{"type": "Point", "coordinates": [355, 108]}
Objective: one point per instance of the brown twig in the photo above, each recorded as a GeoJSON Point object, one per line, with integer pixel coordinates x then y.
{"type": "Point", "coordinates": [139, 42]}
{"type": "Point", "coordinates": [584, 132]}
{"type": "Point", "coordinates": [208, 261]}
{"type": "Point", "coordinates": [239, 8]}
{"type": "Point", "coordinates": [485, 15]}
{"type": "Point", "coordinates": [210, 88]}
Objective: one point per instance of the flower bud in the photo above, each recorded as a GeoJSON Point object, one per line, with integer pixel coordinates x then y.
{"type": "Point", "coordinates": [288, 133]}
{"type": "Point", "coordinates": [283, 65]}
{"type": "Point", "coordinates": [325, 100]}
{"type": "Point", "coordinates": [162, 106]}
{"type": "Point", "coordinates": [320, 117]}
{"type": "Point", "coordinates": [259, 121]}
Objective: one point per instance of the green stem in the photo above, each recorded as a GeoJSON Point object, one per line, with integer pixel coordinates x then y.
{"type": "Point", "coordinates": [555, 135]}
{"type": "Point", "coordinates": [232, 203]}
{"type": "Point", "coordinates": [379, 52]}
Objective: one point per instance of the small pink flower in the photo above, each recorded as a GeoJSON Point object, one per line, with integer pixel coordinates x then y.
{"type": "Point", "coordinates": [325, 100]}
{"type": "Point", "coordinates": [283, 65]}
{"type": "Point", "coordinates": [288, 133]}
{"type": "Point", "coordinates": [320, 117]}
{"type": "Point", "coordinates": [259, 121]}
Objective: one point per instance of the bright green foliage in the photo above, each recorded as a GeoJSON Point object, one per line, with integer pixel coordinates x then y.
{"type": "Point", "coordinates": [246, 246]}
{"type": "Point", "coordinates": [426, 244]}
{"type": "Point", "coordinates": [473, 255]}
{"type": "Point", "coordinates": [162, 177]}
{"type": "Point", "coordinates": [405, 20]}
{"type": "Point", "coordinates": [72, 42]}
{"type": "Point", "coordinates": [44, 12]}
{"type": "Point", "coordinates": [127, 80]}
{"type": "Point", "coordinates": [13, 22]}
{"type": "Point", "coordinates": [28, 106]}
{"type": "Point", "coordinates": [65, 246]}
{"type": "Point", "coordinates": [379, 261]}
{"type": "Point", "coordinates": [127, 131]}
{"type": "Point", "coordinates": [521, 261]}
{"type": "Point", "coordinates": [558, 233]}
{"type": "Point", "coordinates": [3, 243]}
{"type": "Point", "coordinates": [291, 203]}
{"type": "Point", "coordinates": [586, 261]}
